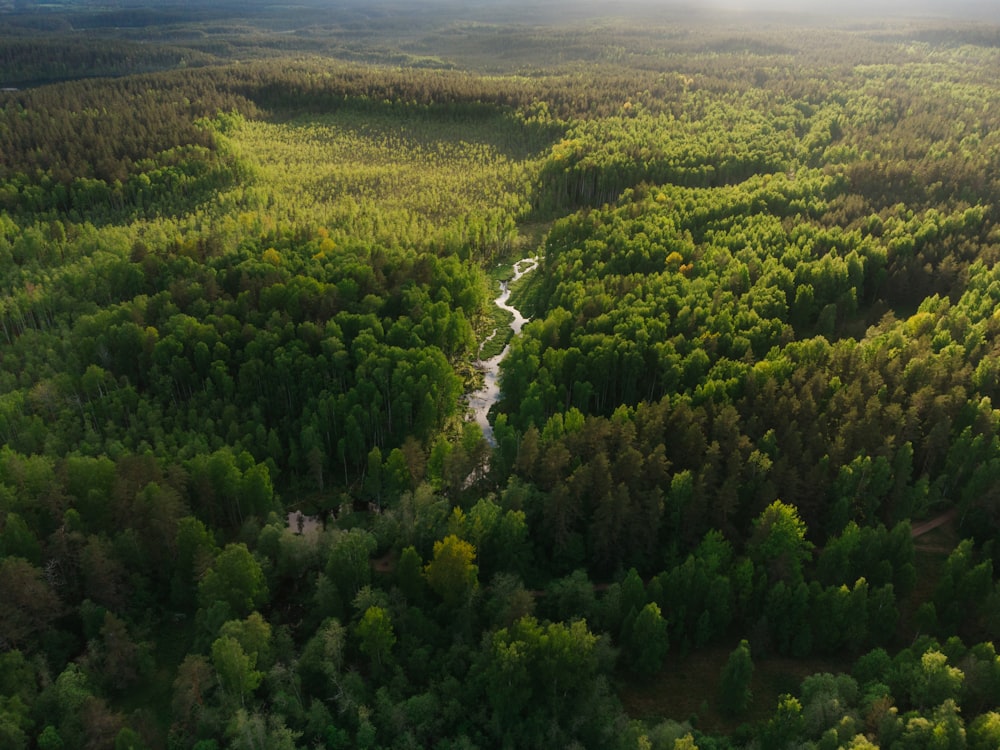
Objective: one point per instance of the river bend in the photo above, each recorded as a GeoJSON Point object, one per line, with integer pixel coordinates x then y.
{"type": "Point", "coordinates": [482, 400]}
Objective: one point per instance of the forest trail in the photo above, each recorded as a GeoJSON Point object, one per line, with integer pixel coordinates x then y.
{"type": "Point", "coordinates": [922, 528]}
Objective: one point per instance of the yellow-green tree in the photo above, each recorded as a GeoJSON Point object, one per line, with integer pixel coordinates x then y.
{"type": "Point", "coordinates": [376, 634]}
{"type": "Point", "coordinates": [452, 572]}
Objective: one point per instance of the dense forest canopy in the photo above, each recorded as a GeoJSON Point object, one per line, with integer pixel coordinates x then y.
{"type": "Point", "coordinates": [744, 486]}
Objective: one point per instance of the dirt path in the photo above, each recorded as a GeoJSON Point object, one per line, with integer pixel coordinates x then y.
{"type": "Point", "coordinates": [384, 564]}
{"type": "Point", "coordinates": [922, 528]}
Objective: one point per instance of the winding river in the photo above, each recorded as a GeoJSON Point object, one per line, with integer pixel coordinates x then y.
{"type": "Point", "coordinates": [480, 401]}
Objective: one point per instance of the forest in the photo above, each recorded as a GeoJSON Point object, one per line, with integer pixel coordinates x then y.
{"type": "Point", "coordinates": [742, 490]}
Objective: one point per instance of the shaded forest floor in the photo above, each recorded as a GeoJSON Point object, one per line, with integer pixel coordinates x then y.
{"type": "Point", "coordinates": [934, 540]}
{"type": "Point", "coordinates": [687, 687]}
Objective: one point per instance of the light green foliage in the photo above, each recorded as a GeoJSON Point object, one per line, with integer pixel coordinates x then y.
{"type": "Point", "coordinates": [236, 579]}
{"type": "Point", "coordinates": [944, 730]}
{"type": "Point", "coordinates": [423, 177]}
{"type": "Point", "coordinates": [254, 636]}
{"type": "Point", "coordinates": [779, 543]}
{"type": "Point", "coordinates": [452, 572]}
{"type": "Point", "coordinates": [235, 669]}
{"type": "Point", "coordinates": [861, 742]}
{"type": "Point", "coordinates": [984, 732]}
{"type": "Point", "coordinates": [69, 695]}
{"type": "Point", "coordinates": [249, 731]}
{"type": "Point", "coordinates": [376, 634]}
{"type": "Point", "coordinates": [936, 681]}
{"type": "Point", "coordinates": [597, 159]}
{"type": "Point", "coordinates": [500, 537]}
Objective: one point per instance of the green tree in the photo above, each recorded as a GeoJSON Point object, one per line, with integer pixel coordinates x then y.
{"type": "Point", "coordinates": [14, 723]}
{"type": "Point", "coordinates": [984, 732]}
{"type": "Point", "coordinates": [778, 543]}
{"type": "Point", "coordinates": [944, 730]}
{"type": "Point", "coordinates": [30, 605]}
{"type": "Point", "coordinates": [254, 636]}
{"type": "Point", "coordinates": [785, 727]}
{"type": "Point", "coordinates": [348, 565]}
{"type": "Point", "coordinates": [735, 694]}
{"type": "Point", "coordinates": [235, 669]}
{"type": "Point", "coordinates": [648, 642]}
{"type": "Point", "coordinates": [935, 681]}
{"type": "Point", "coordinates": [255, 731]}
{"type": "Point", "coordinates": [452, 572]}
{"type": "Point", "coordinates": [508, 600]}
{"type": "Point", "coordinates": [236, 579]}
{"type": "Point", "coordinates": [409, 575]}
{"type": "Point", "coordinates": [571, 597]}
{"type": "Point", "coordinates": [540, 675]}
{"type": "Point", "coordinates": [373, 477]}
{"type": "Point", "coordinates": [115, 655]}
{"type": "Point", "coordinates": [16, 540]}
{"type": "Point", "coordinates": [376, 634]}
{"type": "Point", "coordinates": [193, 699]}
{"type": "Point", "coordinates": [69, 696]}
{"type": "Point", "coordinates": [129, 739]}
{"type": "Point", "coordinates": [196, 550]}
{"type": "Point", "coordinates": [49, 739]}
{"type": "Point", "coordinates": [323, 658]}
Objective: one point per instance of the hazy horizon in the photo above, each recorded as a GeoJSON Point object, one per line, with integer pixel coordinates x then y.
{"type": "Point", "coordinates": [554, 11]}
{"type": "Point", "coordinates": [958, 9]}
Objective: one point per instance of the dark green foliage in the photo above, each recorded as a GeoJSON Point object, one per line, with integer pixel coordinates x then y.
{"type": "Point", "coordinates": [536, 674]}
{"type": "Point", "coordinates": [763, 349]}
{"type": "Point", "coordinates": [235, 579]}
{"type": "Point", "coordinates": [735, 694]}
{"type": "Point", "coordinates": [646, 640]}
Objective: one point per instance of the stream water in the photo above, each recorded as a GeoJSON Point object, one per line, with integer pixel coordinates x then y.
{"type": "Point", "coordinates": [480, 401]}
